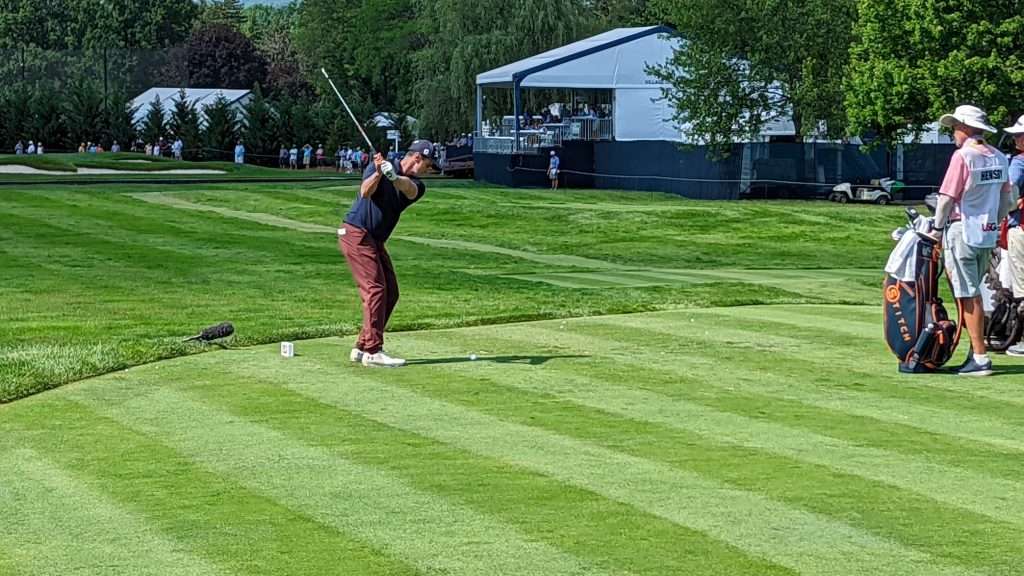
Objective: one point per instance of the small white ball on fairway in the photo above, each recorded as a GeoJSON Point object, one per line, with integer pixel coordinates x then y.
{"type": "Point", "coordinates": [472, 356]}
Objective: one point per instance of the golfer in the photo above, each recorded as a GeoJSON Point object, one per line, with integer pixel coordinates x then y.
{"type": "Point", "coordinates": [387, 190]}
{"type": "Point", "coordinates": [1015, 233]}
{"type": "Point", "coordinates": [973, 199]}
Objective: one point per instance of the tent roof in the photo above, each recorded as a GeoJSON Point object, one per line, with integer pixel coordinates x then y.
{"type": "Point", "coordinates": [201, 97]}
{"type": "Point", "coordinates": [613, 59]}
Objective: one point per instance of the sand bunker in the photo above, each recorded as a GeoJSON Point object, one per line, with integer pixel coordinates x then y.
{"type": "Point", "coordinates": [19, 169]}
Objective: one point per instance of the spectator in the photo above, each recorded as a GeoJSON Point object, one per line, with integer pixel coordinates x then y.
{"type": "Point", "coordinates": [307, 156]}
{"type": "Point", "coordinates": [339, 156]}
{"type": "Point", "coordinates": [282, 157]}
{"type": "Point", "coordinates": [39, 148]}
{"type": "Point", "coordinates": [158, 147]}
{"type": "Point", "coordinates": [99, 148]}
{"type": "Point", "coordinates": [178, 148]}
{"type": "Point", "coordinates": [149, 149]}
{"type": "Point", "coordinates": [31, 148]}
{"type": "Point", "coordinates": [239, 153]}
{"type": "Point", "coordinates": [319, 155]}
{"type": "Point", "coordinates": [293, 157]}
{"type": "Point", "coordinates": [1015, 232]}
{"type": "Point", "coordinates": [19, 148]}
{"type": "Point", "coordinates": [115, 148]}
{"type": "Point", "coordinates": [81, 148]}
{"type": "Point", "coordinates": [553, 170]}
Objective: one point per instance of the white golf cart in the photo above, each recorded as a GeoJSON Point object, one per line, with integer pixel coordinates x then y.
{"type": "Point", "coordinates": [877, 192]}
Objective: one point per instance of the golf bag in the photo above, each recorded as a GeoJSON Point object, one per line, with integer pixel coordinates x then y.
{"type": "Point", "coordinates": [917, 327]}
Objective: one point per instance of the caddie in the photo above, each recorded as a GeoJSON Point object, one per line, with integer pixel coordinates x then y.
{"type": "Point", "coordinates": [973, 199]}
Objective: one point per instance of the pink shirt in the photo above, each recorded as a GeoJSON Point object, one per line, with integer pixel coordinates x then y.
{"type": "Point", "coordinates": [958, 175]}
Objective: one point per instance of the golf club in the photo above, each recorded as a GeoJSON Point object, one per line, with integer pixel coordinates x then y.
{"type": "Point", "coordinates": [349, 110]}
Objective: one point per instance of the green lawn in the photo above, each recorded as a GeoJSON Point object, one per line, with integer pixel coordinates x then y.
{"type": "Point", "coordinates": [97, 279]}
{"type": "Point", "coordinates": [661, 387]}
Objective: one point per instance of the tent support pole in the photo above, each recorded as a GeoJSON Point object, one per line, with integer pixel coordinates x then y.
{"type": "Point", "coordinates": [517, 105]}
{"type": "Point", "coordinates": [479, 108]}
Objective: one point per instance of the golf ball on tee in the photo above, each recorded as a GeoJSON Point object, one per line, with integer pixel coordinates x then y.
{"type": "Point", "coordinates": [472, 356]}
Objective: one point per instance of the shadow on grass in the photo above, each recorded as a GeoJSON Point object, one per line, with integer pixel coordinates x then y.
{"type": "Point", "coordinates": [530, 360]}
{"type": "Point", "coordinates": [998, 370]}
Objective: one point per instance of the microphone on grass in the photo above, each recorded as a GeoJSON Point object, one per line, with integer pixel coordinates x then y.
{"type": "Point", "coordinates": [222, 330]}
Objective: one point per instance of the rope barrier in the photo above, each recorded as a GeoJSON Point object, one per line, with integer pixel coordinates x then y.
{"type": "Point", "coordinates": [697, 180]}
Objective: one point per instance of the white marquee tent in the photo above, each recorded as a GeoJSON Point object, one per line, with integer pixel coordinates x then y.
{"type": "Point", "coordinates": [616, 60]}
{"type": "Point", "coordinates": [201, 97]}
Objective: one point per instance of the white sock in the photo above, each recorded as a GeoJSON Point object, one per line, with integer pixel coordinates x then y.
{"type": "Point", "coordinates": [981, 358]}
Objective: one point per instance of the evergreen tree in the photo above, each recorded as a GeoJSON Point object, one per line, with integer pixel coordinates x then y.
{"type": "Point", "coordinates": [47, 120]}
{"type": "Point", "coordinates": [259, 130]}
{"type": "Point", "coordinates": [120, 121]}
{"type": "Point", "coordinates": [221, 131]}
{"type": "Point", "coordinates": [229, 12]}
{"type": "Point", "coordinates": [184, 124]}
{"type": "Point", "coordinates": [154, 125]}
{"type": "Point", "coordinates": [85, 113]}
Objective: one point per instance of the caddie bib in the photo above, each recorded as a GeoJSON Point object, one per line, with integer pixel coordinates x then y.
{"type": "Point", "coordinates": [979, 204]}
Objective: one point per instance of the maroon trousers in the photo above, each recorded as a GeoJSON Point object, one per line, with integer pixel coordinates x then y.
{"type": "Point", "coordinates": [378, 286]}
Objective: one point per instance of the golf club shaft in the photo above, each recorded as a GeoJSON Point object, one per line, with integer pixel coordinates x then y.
{"type": "Point", "coordinates": [349, 110]}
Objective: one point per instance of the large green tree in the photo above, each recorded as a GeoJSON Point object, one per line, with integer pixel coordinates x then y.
{"type": "Point", "coordinates": [184, 124]}
{"type": "Point", "coordinates": [220, 134]}
{"type": "Point", "coordinates": [154, 124]}
{"type": "Point", "coordinates": [259, 125]}
{"type": "Point", "coordinates": [466, 37]}
{"type": "Point", "coordinates": [743, 63]}
{"type": "Point", "coordinates": [916, 59]}
{"type": "Point", "coordinates": [219, 56]}
{"type": "Point", "coordinates": [85, 111]}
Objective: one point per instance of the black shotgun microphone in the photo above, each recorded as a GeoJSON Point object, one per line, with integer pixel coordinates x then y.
{"type": "Point", "coordinates": [222, 330]}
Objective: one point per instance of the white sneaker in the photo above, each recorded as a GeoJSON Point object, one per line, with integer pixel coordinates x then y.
{"type": "Point", "coordinates": [356, 355]}
{"type": "Point", "coordinates": [1016, 350]}
{"type": "Point", "coordinates": [382, 360]}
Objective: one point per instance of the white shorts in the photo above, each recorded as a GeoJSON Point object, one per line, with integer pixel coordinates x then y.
{"type": "Point", "coordinates": [1015, 253]}
{"type": "Point", "coordinates": [965, 265]}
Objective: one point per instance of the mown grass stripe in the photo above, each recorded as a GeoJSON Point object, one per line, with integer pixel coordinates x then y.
{"type": "Point", "coordinates": [429, 532]}
{"type": "Point", "coordinates": [211, 516]}
{"type": "Point", "coordinates": [54, 524]}
{"type": "Point", "coordinates": [996, 498]}
{"type": "Point", "coordinates": [861, 361]}
{"type": "Point", "coordinates": [593, 528]}
{"type": "Point", "coordinates": [807, 542]}
{"type": "Point", "coordinates": [870, 334]}
{"type": "Point", "coordinates": [771, 382]}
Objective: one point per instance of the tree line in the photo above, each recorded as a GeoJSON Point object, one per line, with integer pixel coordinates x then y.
{"type": "Point", "coordinates": [883, 69]}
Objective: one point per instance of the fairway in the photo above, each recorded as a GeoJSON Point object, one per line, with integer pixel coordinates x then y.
{"type": "Point", "coordinates": [661, 387]}
{"type": "Point", "coordinates": [714, 441]}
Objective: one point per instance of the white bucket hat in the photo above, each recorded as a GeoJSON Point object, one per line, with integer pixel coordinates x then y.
{"type": "Point", "coordinates": [969, 115]}
{"type": "Point", "coordinates": [1017, 128]}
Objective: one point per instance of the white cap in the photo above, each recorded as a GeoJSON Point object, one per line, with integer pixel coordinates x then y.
{"type": "Point", "coordinates": [1017, 128]}
{"type": "Point", "coordinates": [969, 115]}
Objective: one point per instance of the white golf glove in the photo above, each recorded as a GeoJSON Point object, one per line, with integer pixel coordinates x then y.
{"type": "Point", "coordinates": [388, 170]}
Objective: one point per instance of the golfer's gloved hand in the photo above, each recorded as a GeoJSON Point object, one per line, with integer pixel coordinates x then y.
{"type": "Point", "coordinates": [388, 170]}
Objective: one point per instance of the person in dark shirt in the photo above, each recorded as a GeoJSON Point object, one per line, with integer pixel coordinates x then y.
{"type": "Point", "coordinates": [387, 190]}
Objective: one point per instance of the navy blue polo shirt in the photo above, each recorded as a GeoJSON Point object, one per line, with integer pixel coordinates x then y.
{"type": "Point", "coordinates": [379, 213]}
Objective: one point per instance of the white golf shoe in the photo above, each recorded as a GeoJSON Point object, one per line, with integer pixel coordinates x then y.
{"type": "Point", "coordinates": [356, 355]}
{"type": "Point", "coordinates": [382, 360]}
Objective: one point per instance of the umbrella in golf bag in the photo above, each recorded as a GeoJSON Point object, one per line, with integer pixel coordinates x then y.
{"type": "Point", "coordinates": [917, 327]}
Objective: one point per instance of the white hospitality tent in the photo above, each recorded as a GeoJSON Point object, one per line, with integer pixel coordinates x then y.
{"type": "Point", "coordinates": [200, 97]}
{"type": "Point", "coordinates": [616, 60]}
